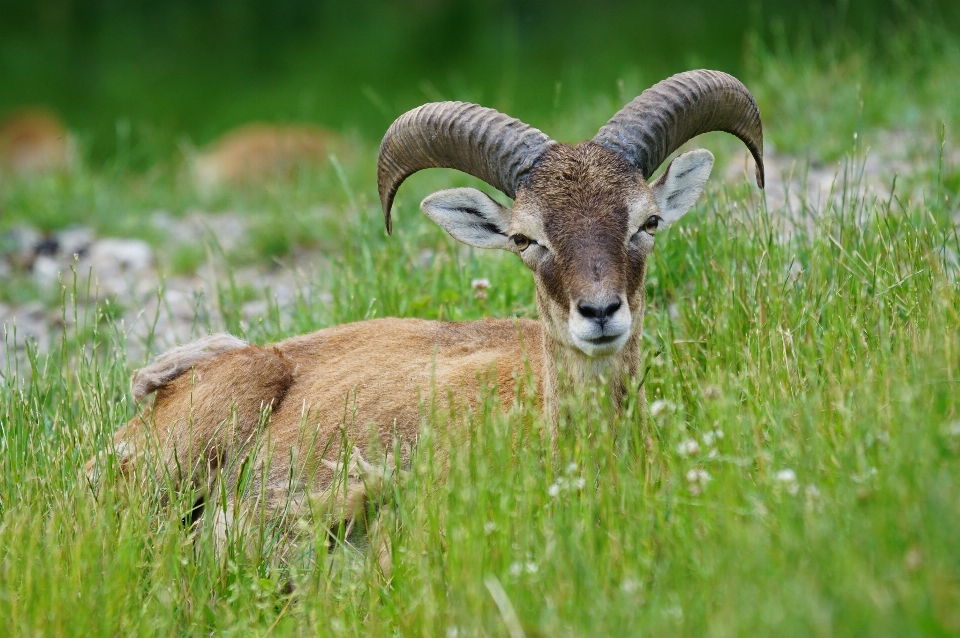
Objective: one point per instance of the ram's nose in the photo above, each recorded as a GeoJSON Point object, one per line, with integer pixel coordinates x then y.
{"type": "Point", "coordinates": [598, 312]}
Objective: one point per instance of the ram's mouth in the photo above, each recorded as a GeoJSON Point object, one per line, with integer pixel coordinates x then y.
{"type": "Point", "coordinates": [605, 345]}
{"type": "Point", "coordinates": [603, 340]}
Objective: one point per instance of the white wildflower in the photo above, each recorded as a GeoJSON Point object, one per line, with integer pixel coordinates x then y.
{"type": "Point", "coordinates": [787, 476]}
{"type": "Point", "coordinates": [954, 429]}
{"type": "Point", "coordinates": [688, 448]}
{"type": "Point", "coordinates": [516, 569]}
{"type": "Point", "coordinates": [570, 483]}
{"type": "Point", "coordinates": [710, 437]}
{"type": "Point", "coordinates": [531, 567]}
{"type": "Point", "coordinates": [489, 528]}
{"type": "Point", "coordinates": [697, 479]}
{"type": "Point", "coordinates": [661, 406]}
{"type": "Point", "coordinates": [630, 586]}
{"type": "Point", "coordinates": [789, 480]}
{"type": "Point", "coordinates": [480, 286]}
{"type": "Point", "coordinates": [453, 632]}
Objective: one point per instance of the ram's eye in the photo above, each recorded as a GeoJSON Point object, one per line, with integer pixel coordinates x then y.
{"type": "Point", "coordinates": [522, 241]}
{"type": "Point", "coordinates": [652, 223]}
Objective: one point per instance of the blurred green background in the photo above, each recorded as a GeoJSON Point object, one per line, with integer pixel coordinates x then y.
{"type": "Point", "coordinates": [195, 68]}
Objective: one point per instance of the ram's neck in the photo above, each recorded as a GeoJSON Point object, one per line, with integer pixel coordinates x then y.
{"type": "Point", "coordinates": [570, 374]}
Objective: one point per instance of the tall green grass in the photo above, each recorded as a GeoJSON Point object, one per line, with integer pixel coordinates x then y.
{"type": "Point", "coordinates": [816, 373]}
{"type": "Point", "coordinates": [798, 474]}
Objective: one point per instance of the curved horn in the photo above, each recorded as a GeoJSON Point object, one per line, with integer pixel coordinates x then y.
{"type": "Point", "coordinates": [483, 142]}
{"type": "Point", "coordinates": [662, 118]}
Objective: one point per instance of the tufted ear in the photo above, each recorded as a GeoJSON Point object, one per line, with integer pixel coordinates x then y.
{"type": "Point", "coordinates": [470, 216]}
{"type": "Point", "coordinates": [680, 186]}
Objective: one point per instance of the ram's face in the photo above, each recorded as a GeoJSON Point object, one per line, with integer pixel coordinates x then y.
{"type": "Point", "coordinates": [584, 222]}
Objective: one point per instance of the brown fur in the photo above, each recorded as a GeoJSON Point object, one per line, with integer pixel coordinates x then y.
{"type": "Point", "coordinates": [359, 384]}
{"type": "Point", "coordinates": [33, 141]}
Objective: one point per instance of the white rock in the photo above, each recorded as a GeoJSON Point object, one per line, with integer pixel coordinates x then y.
{"type": "Point", "coordinates": [75, 240]}
{"type": "Point", "coordinates": [254, 310]}
{"type": "Point", "coordinates": [19, 244]}
{"type": "Point", "coordinates": [46, 271]}
{"type": "Point", "coordinates": [120, 255]}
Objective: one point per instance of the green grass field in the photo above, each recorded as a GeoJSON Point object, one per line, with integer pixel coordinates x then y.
{"type": "Point", "coordinates": [799, 473]}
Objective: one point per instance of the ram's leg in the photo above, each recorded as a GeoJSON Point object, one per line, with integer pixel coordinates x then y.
{"type": "Point", "coordinates": [366, 498]}
{"type": "Point", "coordinates": [381, 541]}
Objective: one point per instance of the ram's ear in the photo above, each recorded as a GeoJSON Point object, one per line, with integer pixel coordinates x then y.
{"type": "Point", "coordinates": [470, 216]}
{"type": "Point", "coordinates": [680, 186]}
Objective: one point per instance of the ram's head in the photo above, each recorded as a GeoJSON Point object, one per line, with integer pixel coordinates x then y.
{"type": "Point", "coordinates": [584, 217]}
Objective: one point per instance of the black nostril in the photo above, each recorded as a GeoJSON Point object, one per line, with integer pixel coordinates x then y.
{"type": "Point", "coordinates": [596, 312]}
{"type": "Point", "coordinates": [611, 308]}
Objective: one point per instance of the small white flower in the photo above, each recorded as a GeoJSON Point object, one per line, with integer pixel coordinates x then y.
{"type": "Point", "coordinates": [554, 490]}
{"type": "Point", "coordinates": [579, 483]}
{"type": "Point", "coordinates": [453, 632]}
{"type": "Point", "coordinates": [789, 479]}
{"type": "Point", "coordinates": [688, 448]}
{"type": "Point", "coordinates": [572, 468]}
{"type": "Point", "coordinates": [480, 286]}
{"type": "Point", "coordinates": [531, 567]}
{"type": "Point", "coordinates": [787, 476]}
{"type": "Point", "coordinates": [489, 528]}
{"type": "Point", "coordinates": [630, 586]}
{"type": "Point", "coordinates": [697, 479]}
{"type": "Point", "coordinates": [954, 429]}
{"type": "Point", "coordinates": [516, 569]}
{"type": "Point", "coordinates": [661, 406]}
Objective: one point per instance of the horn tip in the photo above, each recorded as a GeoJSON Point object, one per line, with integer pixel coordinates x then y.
{"type": "Point", "coordinates": [388, 221]}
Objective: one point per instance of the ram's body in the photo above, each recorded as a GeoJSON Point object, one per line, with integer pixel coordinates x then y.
{"type": "Point", "coordinates": [583, 221]}
{"type": "Point", "coordinates": [364, 384]}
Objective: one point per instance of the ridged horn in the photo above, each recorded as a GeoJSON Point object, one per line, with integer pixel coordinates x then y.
{"type": "Point", "coordinates": [662, 118]}
{"type": "Point", "coordinates": [479, 141]}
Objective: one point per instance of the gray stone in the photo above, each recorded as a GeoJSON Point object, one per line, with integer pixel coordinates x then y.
{"type": "Point", "coordinates": [46, 271]}
{"type": "Point", "coordinates": [18, 245]}
{"type": "Point", "coordinates": [75, 240]}
{"type": "Point", "coordinates": [120, 255]}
